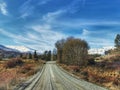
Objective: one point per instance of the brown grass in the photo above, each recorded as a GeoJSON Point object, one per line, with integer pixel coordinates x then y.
{"type": "Point", "coordinates": [105, 77]}
{"type": "Point", "coordinates": [9, 77]}
{"type": "Point", "coordinates": [13, 63]}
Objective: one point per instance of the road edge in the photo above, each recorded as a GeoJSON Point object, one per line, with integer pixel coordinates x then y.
{"type": "Point", "coordinates": [32, 81]}
{"type": "Point", "coordinates": [73, 75]}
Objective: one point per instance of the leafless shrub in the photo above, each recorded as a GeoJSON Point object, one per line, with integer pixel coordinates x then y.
{"type": "Point", "coordinates": [26, 69]}
{"type": "Point", "coordinates": [13, 63]}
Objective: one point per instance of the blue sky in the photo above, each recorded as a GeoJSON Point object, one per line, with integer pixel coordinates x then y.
{"type": "Point", "coordinates": [40, 23]}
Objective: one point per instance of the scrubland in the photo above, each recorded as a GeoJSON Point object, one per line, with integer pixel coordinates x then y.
{"type": "Point", "coordinates": [105, 71]}
{"type": "Point", "coordinates": [16, 71]}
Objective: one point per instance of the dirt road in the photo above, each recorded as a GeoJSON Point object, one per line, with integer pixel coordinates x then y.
{"type": "Point", "coordinates": [54, 78]}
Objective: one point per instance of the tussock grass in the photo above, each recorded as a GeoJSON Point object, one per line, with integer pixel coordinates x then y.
{"type": "Point", "coordinates": [16, 71]}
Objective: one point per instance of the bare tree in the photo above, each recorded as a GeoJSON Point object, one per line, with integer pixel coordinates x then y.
{"type": "Point", "coordinates": [59, 45]}
{"type": "Point", "coordinates": [74, 51]}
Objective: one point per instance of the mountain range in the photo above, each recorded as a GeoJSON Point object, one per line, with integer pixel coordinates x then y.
{"type": "Point", "coordinates": [13, 51]}
{"type": "Point", "coordinates": [4, 48]}
{"type": "Point", "coordinates": [16, 48]}
{"type": "Point", "coordinates": [100, 50]}
{"type": "Point", "coordinates": [21, 48]}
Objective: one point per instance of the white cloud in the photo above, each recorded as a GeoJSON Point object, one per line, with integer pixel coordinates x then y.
{"type": "Point", "coordinates": [41, 28]}
{"type": "Point", "coordinates": [92, 36]}
{"type": "Point", "coordinates": [77, 23]}
{"type": "Point", "coordinates": [71, 8]}
{"type": "Point", "coordinates": [3, 8]}
{"type": "Point", "coordinates": [26, 11]}
{"type": "Point", "coordinates": [51, 16]}
{"type": "Point", "coordinates": [42, 39]}
{"type": "Point", "coordinates": [32, 36]}
{"type": "Point", "coordinates": [43, 2]}
{"type": "Point", "coordinates": [48, 33]}
{"type": "Point", "coordinates": [100, 42]}
{"type": "Point", "coordinates": [2, 31]}
{"type": "Point", "coordinates": [97, 39]}
{"type": "Point", "coordinates": [85, 32]}
{"type": "Point", "coordinates": [24, 15]}
{"type": "Point", "coordinates": [47, 36]}
{"type": "Point", "coordinates": [17, 37]}
{"type": "Point", "coordinates": [27, 8]}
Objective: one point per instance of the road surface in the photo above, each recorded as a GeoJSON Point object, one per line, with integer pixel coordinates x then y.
{"type": "Point", "coordinates": [54, 78]}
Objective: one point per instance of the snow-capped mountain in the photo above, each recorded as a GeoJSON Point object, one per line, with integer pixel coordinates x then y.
{"type": "Point", "coordinates": [100, 50]}
{"type": "Point", "coordinates": [7, 48]}
{"type": "Point", "coordinates": [21, 48]}
{"type": "Point", "coordinates": [6, 52]}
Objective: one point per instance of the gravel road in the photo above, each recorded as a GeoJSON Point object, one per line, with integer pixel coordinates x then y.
{"type": "Point", "coordinates": [54, 78]}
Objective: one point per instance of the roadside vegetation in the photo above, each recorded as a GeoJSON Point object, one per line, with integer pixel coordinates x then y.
{"type": "Point", "coordinates": [72, 55]}
{"type": "Point", "coordinates": [17, 70]}
{"type": "Point", "coordinates": [103, 70]}
{"type": "Point", "coordinates": [72, 51]}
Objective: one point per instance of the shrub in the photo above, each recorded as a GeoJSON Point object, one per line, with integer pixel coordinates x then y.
{"type": "Point", "coordinates": [85, 73]}
{"type": "Point", "coordinates": [102, 64]}
{"type": "Point", "coordinates": [91, 61]}
{"type": "Point", "coordinates": [116, 82]}
{"type": "Point", "coordinates": [13, 63]}
{"type": "Point", "coordinates": [2, 88]}
{"type": "Point", "coordinates": [1, 58]}
{"type": "Point", "coordinates": [32, 72]}
{"type": "Point", "coordinates": [26, 69]}
{"type": "Point", "coordinates": [75, 68]}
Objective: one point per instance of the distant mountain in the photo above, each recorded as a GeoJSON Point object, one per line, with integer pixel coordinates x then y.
{"type": "Point", "coordinates": [100, 50]}
{"type": "Point", "coordinates": [21, 48]}
{"type": "Point", "coordinates": [6, 52]}
{"type": "Point", "coordinates": [7, 48]}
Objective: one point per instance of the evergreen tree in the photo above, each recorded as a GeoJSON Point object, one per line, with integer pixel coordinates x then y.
{"type": "Point", "coordinates": [30, 56]}
{"type": "Point", "coordinates": [35, 55]}
{"type": "Point", "coordinates": [45, 55]}
{"type": "Point", "coordinates": [117, 41]}
{"type": "Point", "coordinates": [49, 56]}
{"type": "Point", "coordinates": [54, 56]}
{"type": "Point", "coordinates": [21, 55]}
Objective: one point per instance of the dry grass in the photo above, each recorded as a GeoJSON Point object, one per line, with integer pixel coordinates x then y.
{"type": "Point", "coordinates": [108, 77]}
{"type": "Point", "coordinates": [9, 77]}
{"type": "Point", "coordinates": [13, 63]}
